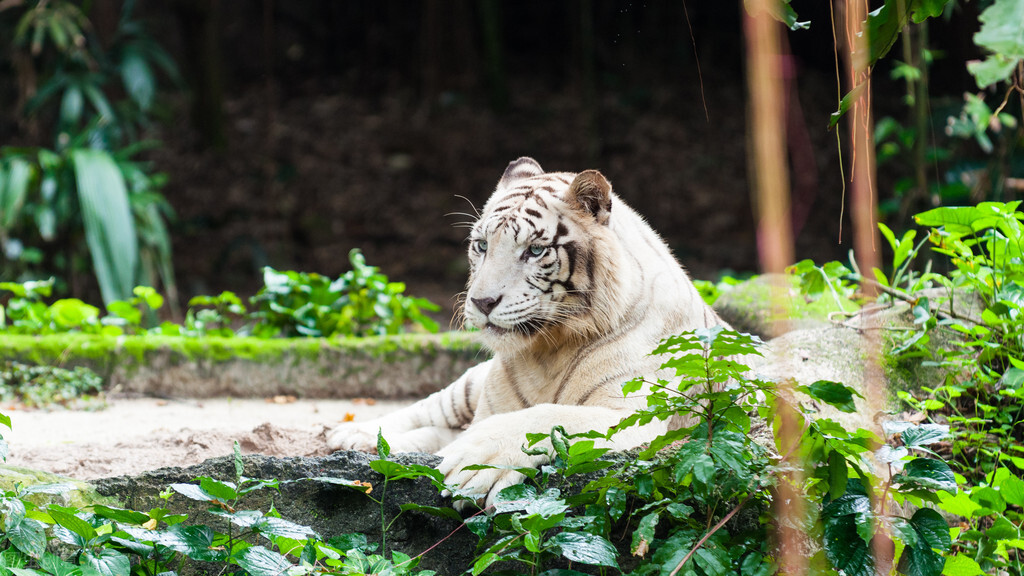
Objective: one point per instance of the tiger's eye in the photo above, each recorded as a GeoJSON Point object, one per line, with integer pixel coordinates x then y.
{"type": "Point", "coordinates": [481, 245]}
{"type": "Point", "coordinates": [537, 249]}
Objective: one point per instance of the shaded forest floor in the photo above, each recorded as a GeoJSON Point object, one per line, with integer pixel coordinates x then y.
{"type": "Point", "coordinates": [310, 173]}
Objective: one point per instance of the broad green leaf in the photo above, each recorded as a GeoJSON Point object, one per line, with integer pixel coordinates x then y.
{"type": "Point", "coordinates": [57, 566]}
{"type": "Point", "coordinates": [845, 549]}
{"type": "Point", "coordinates": [106, 562]}
{"type": "Point", "coordinates": [643, 536]}
{"type": "Point", "coordinates": [932, 528]}
{"type": "Point", "coordinates": [713, 559]}
{"type": "Point", "coordinates": [258, 561]}
{"type": "Point", "coordinates": [192, 491]}
{"type": "Point", "coordinates": [921, 10]}
{"type": "Point", "coordinates": [924, 435]}
{"type": "Point", "coordinates": [1011, 488]}
{"type": "Point", "coordinates": [109, 226]}
{"type": "Point", "coordinates": [585, 548]}
{"type": "Point", "coordinates": [285, 528]}
{"type": "Point", "coordinates": [223, 491]}
{"type": "Point", "coordinates": [833, 393]}
{"type": "Point", "coordinates": [927, 473]}
{"type": "Point", "coordinates": [920, 562]}
{"type": "Point", "coordinates": [959, 504]}
{"type": "Point", "coordinates": [194, 541]}
{"type": "Point", "coordinates": [14, 181]}
{"type": "Point", "coordinates": [1001, 28]}
{"type": "Point", "coordinates": [961, 565]}
{"type": "Point", "coordinates": [72, 312]}
{"type": "Point", "coordinates": [138, 78]}
{"type": "Point", "coordinates": [72, 523]}
{"type": "Point", "coordinates": [28, 536]}
{"type": "Point", "coordinates": [837, 475]}
{"type": "Point", "coordinates": [484, 561]}
{"type": "Point", "coordinates": [992, 70]}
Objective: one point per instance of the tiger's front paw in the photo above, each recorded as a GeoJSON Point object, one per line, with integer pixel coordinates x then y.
{"type": "Point", "coordinates": [484, 485]}
{"type": "Point", "coordinates": [351, 436]}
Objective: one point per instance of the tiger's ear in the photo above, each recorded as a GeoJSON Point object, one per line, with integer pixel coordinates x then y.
{"type": "Point", "coordinates": [524, 167]}
{"type": "Point", "coordinates": [590, 192]}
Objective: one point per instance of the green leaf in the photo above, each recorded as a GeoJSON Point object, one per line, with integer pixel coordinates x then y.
{"type": "Point", "coordinates": [72, 523]}
{"type": "Point", "coordinates": [484, 561]}
{"type": "Point", "coordinates": [109, 226]}
{"type": "Point", "coordinates": [258, 561]}
{"type": "Point", "coordinates": [194, 541]}
{"type": "Point", "coordinates": [924, 435]}
{"type": "Point", "coordinates": [833, 393]}
{"type": "Point", "coordinates": [932, 528]}
{"type": "Point", "coordinates": [837, 474]}
{"type": "Point", "coordinates": [585, 548]}
{"type": "Point", "coordinates": [192, 491]}
{"type": "Point", "coordinates": [57, 566]}
{"type": "Point", "coordinates": [106, 562]}
{"type": "Point", "coordinates": [845, 549]}
{"type": "Point", "coordinates": [961, 565]}
{"type": "Point", "coordinates": [138, 78]}
{"type": "Point", "coordinates": [643, 536]}
{"type": "Point", "coordinates": [1011, 488]}
{"type": "Point", "coordinates": [920, 562]}
{"type": "Point", "coordinates": [1001, 28]}
{"type": "Point", "coordinates": [14, 181]}
{"type": "Point", "coordinates": [443, 512]}
{"type": "Point", "coordinates": [959, 504]}
{"type": "Point", "coordinates": [223, 491]}
{"type": "Point", "coordinates": [383, 448]}
{"type": "Point", "coordinates": [928, 474]}
{"type": "Point", "coordinates": [992, 70]}
{"type": "Point", "coordinates": [28, 536]}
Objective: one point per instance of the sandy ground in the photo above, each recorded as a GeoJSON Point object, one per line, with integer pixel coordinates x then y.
{"type": "Point", "coordinates": [134, 435]}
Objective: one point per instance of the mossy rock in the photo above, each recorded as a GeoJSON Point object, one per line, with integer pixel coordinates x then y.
{"type": "Point", "coordinates": [52, 488]}
{"type": "Point", "coordinates": [404, 366]}
{"type": "Point", "coordinates": [751, 306]}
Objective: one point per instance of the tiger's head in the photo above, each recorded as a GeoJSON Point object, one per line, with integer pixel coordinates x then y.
{"type": "Point", "coordinates": [540, 256]}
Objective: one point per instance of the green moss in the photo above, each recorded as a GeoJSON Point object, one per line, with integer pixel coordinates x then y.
{"type": "Point", "coordinates": [126, 354]}
{"type": "Point", "coordinates": [78, 494]}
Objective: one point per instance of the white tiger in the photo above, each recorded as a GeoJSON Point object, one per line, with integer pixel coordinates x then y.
{"type": "Point", "coordinates": [571, 290]}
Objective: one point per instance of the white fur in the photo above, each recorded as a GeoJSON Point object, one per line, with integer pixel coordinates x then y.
{"type": "Point", "coordinates": [560, 355]}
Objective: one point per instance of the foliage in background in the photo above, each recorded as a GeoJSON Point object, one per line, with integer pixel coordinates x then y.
{"type": "Point", "coordinates": [968, 323]}
{"type": "Point", "coordinates": [109, 541]}
{"type": "Point", "coordinates": [361, 302]}
{"type": "Point", "coordinates": [42, 386]}
{"type": "Point", "coordinates": [694, 501]}
{"type": "Point", "coordinates": [84, 203]}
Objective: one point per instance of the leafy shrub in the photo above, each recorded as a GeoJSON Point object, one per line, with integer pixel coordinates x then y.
{"type": "Point", "coordinates": [362, 302]}
{"type": "Point", "coordinates": [86, 185]}
{"type": "Point", "coordinates": [37, 386]}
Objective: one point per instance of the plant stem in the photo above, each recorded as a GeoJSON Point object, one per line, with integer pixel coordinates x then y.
{"type": "Point", "coordinates": [714, 529]}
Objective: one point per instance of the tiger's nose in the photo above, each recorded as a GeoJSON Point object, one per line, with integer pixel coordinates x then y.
{"type": "Point", "coordinates": [486, 305]}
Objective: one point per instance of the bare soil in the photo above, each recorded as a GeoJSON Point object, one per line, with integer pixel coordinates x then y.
{"type": "Point", "coordinates": [130, 436]}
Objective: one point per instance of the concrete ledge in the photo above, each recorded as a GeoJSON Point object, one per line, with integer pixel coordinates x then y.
{"type": "Point", "coordinates": [406, 366]}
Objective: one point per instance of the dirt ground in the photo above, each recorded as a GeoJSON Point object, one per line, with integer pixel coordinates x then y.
{"type": "Point", "coordinates": [130, 436]}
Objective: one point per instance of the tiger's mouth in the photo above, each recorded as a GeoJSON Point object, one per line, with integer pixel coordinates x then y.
{"type": "Point", "coordinates": [497, 330]}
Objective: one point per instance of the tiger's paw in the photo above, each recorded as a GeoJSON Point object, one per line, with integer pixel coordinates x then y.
{"type": "Point", "coordinates": [484, 485]}
{"type": "Point", "coordinates": [361, 437]}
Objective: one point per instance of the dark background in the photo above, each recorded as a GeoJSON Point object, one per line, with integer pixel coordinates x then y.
{"type": "Point", "coordinates": [308, 128]}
